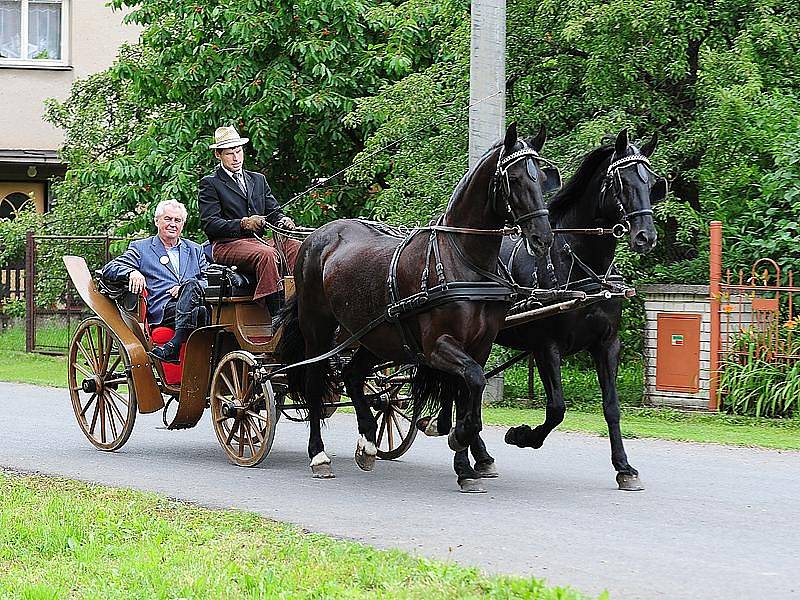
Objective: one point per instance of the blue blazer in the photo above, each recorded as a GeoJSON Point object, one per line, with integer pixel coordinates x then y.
{"type": "Point", "coordinates": [145, 257]}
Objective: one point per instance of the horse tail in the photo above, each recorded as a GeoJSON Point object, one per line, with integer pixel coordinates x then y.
{"type": "Point", "coordinates": [433, 389]}
{"type": "Point", "coordinates": [292, 347]}
{"type": "Point", "coordinates": [321, 376]}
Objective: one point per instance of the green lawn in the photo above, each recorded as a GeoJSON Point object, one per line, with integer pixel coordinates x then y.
{"type": "Point", "coordinates": [64, 539]}
{"type": "Point", "coordinates": [581, 391]}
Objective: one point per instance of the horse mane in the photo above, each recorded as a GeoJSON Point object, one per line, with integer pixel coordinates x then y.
{"type": "Point", "coordinates": [573, 189]}
{"type": "Point", "coordinates": [463, 183]}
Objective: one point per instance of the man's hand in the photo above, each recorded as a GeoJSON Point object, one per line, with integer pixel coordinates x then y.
{"type": "Point", "coordinates": [173, 291]}
{"type": "Point", "coordinates": [136, 282]}
{"type": "Point", "coordinates": [254, 223]}
{"type": "Point", "coordinates": [287, 223]}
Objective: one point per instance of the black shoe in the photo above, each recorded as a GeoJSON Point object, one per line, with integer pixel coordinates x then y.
{"type": "Point", "coordinates": [169, 353]}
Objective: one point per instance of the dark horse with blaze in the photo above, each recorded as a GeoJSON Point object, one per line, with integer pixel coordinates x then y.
{"type": "Point", "coordinates": [341, 281]}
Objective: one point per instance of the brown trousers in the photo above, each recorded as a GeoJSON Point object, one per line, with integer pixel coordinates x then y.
{"type": "Point", "coordinates": [262, 260]}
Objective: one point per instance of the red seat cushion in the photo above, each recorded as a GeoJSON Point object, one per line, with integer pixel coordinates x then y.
{"type": "Point", "coordinates": [172, 373]}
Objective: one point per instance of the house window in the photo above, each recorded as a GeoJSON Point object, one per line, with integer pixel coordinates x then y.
{"type": "Point", "coordinates": [33, 32]}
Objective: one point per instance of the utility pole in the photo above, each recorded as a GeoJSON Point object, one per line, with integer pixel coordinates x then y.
{"type": "Point", "coordinates": [487, 76]}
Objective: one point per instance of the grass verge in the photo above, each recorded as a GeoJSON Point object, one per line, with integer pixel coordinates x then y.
{"type": "Point", "coordinates": [20, 367]}
{"type": "Point", "coordinates": [65, 539]}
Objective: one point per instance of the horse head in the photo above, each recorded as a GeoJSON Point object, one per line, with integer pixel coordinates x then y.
{"type": "Point", "coordinates": [631, 187]}
{"type": "Point", "coordinates": [521, 179]}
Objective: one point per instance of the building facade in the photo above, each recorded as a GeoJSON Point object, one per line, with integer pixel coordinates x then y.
{"type": "Point", "coordinates": [45, 45]}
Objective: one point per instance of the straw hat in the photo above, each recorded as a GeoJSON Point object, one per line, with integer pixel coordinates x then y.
{"type": "Point", "coordinates": [227, 137]}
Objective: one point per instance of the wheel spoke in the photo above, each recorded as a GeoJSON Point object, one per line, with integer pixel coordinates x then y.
{"type": "Point", "coordinates": [114, 406]}
{"type": "Point", "coordinates": [117, 395]}
{"type": "Point", "coordinates": [110, 406]}
{"type": "Point", "coordinates": [228, 384]}
{"type": "Point", "coordinates": [237, 390]}
{"type": "Point", "coordinates": [258, 431]}
{"type": "Point", "coordinates": [389, 430]}
{"type": "Point", "coordinates": [396, 424]}
{"type": "Point", "coordinates": [255, 415]}
{"type": "Point", "coordinates": [241, 438]}
{"type": "Point", "coordinates": [86, 356]}
{"type": "Point", "coordinates": [232, 431]}
{"type": "Point", "coordinates": [380, 431]}
{"type": "Point", "coordinates": [401, 413]}
{"type": "Point", "coordinates": [94, 416]}
{"type": "Point", "coordinates": [246, 426]}
{"type": "Point", "coordinates": [95, 357]}
{"type": "Point", "coordinates": [102, 402]}
{"type": "Point", "coordinates": [117, 359]}
{"type": "Point", "coordinates": [83, 371]}
{"type": "Point", "coordinates": [92, 398]}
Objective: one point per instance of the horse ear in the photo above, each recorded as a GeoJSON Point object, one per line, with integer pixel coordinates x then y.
{"type": "Point", "coordinates": [511, 138]}
{"type": "Point", "coordinates": [538, 142]}
{"type": "Point", "coordinates": [649, 147]}
{"type": "Point", "coordinates": [621, 145]}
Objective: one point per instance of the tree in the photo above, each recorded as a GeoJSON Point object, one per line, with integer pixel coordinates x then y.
{"type": "Point", "coordinates": [284, 73]}
{"type": "Point", "coordinates": [719, 81]}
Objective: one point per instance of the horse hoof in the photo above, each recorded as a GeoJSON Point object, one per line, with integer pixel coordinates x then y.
{"type": "Point", "coordinates": [454, 444]}
{"type": "Point", "coordinates": [428, 426]}
{"type": "Point", "coordinates": [321, 467]}
{"type": "Point", "coordinates": [365, 454]}
{"type": "Point", "coordinates": [629, 483]}
{"type": "Point", "coordinates": [323, 471]}
{"type": "Point", "coordinates": [487, 470]}
{"type": "Point", "coordinates": [471, 486]}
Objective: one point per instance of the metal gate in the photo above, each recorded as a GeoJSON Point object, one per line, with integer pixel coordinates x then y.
{"type": "Point", "coordinates": [53, 307]}
{"type": "Point", "coordinates": [770, 327]}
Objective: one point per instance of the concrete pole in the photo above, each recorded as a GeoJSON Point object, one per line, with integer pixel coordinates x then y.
{"type": "Point", "coordinates": [487, 76]}
{"type": "Point", "coordinates": [715, 278]}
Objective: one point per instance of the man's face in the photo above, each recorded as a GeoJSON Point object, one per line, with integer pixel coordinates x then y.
{"type": "Point", "coordinates": [170, 224]}
{"type": "Point", "coordinates": [231, 158]}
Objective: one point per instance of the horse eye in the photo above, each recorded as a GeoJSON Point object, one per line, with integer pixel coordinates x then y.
{"type": "Point", "coordinates": [642, 172]}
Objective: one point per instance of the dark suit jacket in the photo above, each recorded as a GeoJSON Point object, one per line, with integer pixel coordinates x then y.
{"type": "Point", "coordinates": [222, 204]}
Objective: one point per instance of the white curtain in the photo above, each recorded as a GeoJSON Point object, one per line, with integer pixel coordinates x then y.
{"type": "Point", "coordinates": [10, 28]}
{"type": "Point", "coordinates": [44, 29]}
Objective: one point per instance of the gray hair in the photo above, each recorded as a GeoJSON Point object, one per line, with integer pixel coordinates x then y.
{"type": "Point", "coordinates": [171, 204]}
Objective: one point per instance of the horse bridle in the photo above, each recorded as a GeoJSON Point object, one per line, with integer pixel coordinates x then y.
{"type": "Point", "coordinates": [504, 163]}
{"type": "Point", "coordinates": [613, 176]}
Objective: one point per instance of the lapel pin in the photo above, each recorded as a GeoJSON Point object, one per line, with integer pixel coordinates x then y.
{"type": "Point", "coordinates": [164, 260]}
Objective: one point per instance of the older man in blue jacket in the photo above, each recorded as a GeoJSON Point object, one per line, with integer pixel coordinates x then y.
{"type": "Point", "coordinates": [173, 272]}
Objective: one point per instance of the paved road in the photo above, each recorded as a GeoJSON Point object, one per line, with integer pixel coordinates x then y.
{"type": "Point", "coordinates": [714, 522]}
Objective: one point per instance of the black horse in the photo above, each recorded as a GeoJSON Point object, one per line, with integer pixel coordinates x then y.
{"type": "Point", "coordinates": [613, 185]}
{"type": "Point", "coordinates": [341, 280]}
{"type": "Point", "coordinates": [613, 188]}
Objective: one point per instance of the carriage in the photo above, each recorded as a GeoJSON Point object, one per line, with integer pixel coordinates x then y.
{"type": "Point", "coordinates": [225, 366]}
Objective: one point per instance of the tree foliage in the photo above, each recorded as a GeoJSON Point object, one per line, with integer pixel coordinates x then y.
{"type": "Point", "coordinates": [719, 81]}
{"type": "Point", "coordinates": [284, 73]}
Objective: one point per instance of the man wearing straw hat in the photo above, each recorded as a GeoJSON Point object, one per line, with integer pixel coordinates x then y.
{"type": "Point", "coordinates": [234, 205]}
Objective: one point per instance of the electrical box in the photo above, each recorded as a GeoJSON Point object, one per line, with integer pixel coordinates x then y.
{"type": "Point", "coordinates": [678, 352]}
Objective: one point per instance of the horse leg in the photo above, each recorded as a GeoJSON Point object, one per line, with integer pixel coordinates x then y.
{"type": "Point", "coordinates": [316, 390]}
{"type": "Point", "coordinates": [484, 463]}
{"type": "Point", "coordinates": [606, 360]}
{"type": "Point", "coordinates": [548, 363]}
{"type": "Point", "coordinates": [449, 357]}
{"type": "Point", "coordinates": [438, 424]}
{"type": "Point", "coordinates": [354, 375]}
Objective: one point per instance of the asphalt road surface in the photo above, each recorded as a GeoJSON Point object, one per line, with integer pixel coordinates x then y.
{"type": "Point", "coordinates": [714, 522]}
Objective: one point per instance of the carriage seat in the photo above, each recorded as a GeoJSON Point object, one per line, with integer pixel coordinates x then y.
{"type": "Point", "coordinates": [172, 373]}
{"type": "Point", "coordinates": [227, 282]}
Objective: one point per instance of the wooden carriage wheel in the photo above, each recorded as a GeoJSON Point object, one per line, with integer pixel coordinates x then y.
{"type": "Point", "coordinates": [242, 409]}
{"type": "Point", "coordinates": [101, 389]}
{"type": "Point", "coordinates": [389, 396]}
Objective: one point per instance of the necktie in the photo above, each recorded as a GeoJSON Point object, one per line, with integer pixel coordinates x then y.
{"type": "Point", "coordinates": [240, 181]}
